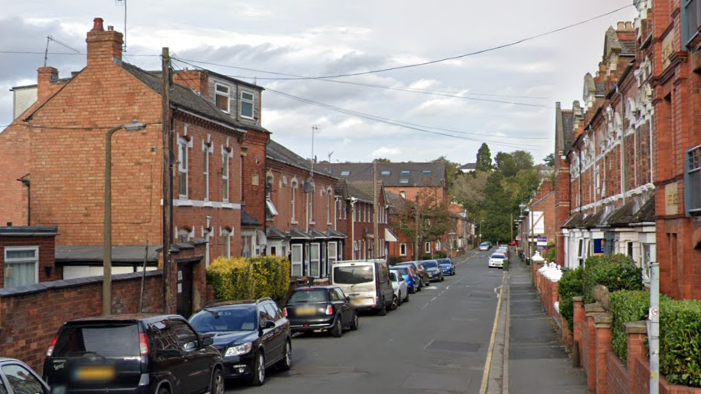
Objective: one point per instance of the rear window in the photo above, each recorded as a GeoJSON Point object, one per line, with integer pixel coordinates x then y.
{"type": "Point", "coordinates": [352, 275]}
{"type": "Point", "coordinates": [306, 295]}
{"type": "Point", "coordinates": [403, 271]}
{"type": "Point", "coordinates": [100, 339]}
{"type": "Point", "coordinates": [498, 256]}
{"type": "Point", "coordinates": [430, 264]}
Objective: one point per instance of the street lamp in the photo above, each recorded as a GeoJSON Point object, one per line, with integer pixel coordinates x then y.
{"type": "Point", "coordinates": [107, 260]}
{"type": "Point", "coordinates": [481, 220]}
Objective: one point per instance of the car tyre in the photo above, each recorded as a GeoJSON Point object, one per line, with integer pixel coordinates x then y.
{"type": "Point", "coordinates": [406, 299]}
{"type": "Point", "coordinates": [337, 329]}
{"type": "Point", "coordinates": [258, 377]}
{"type": "Point", "coordinates": [396, 302]}
{"type": "Point", "coordinates": [217, 383]}
{"type": "Point", "coordinates": [383, 308]}
{"type": "Point", "coordinates": [286, 363]}
{"type": "Point", "coordinates": [163, 390]}
{"type": "Point", "coordinates": [442, 278]}
{"type": "Point", "coordinates": [356, 322]}
{"type": "Point", "coordinates": [412, 290]}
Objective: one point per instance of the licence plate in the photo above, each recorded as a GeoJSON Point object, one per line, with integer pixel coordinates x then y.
{"type": "Point", "coordinates": [96, 373]}
{"type": "Point", "coordinates": [357, 301]}
{"type": "Point", "coordinates": [306, 311]}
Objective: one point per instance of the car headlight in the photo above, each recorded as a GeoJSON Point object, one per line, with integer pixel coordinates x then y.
{"type": "Point", "coordinates": [238, 349]}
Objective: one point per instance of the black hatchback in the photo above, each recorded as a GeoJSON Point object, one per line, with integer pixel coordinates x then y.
{"type": "Point", "coordinates": [134, 354]}
{"type": "Point", "coordinates": [321, 308]}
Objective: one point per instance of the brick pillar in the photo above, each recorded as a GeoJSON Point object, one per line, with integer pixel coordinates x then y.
{"type": "Point", "coordinates": [636, 333]}
{"type": "Point", "coordinates": [590, 357]}
{"type": "Point", "coordinates": [578, 317]}
{"type": "Point", "coordinates": [602, 322]}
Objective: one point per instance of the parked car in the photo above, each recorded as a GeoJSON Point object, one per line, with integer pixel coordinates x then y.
{"type": "Point", "coordinates": [133, 354]}
{"type": "Point", "coordinates": [420, 269]}
{"type": "Point", "coordinates": [401, 290]}
{"type": "Point", "coordinates": [366, 282]}
{"type": "Point", "coordinates": [17, 378]}
{"type": "Point", "coordinates": [321, 308]}
{"type": "Point", "coordinates": [435, 272]}
{"type": "Point", "coordinates": [485, 246]}
{"type": "Point", "coordinates": [497, 260]}
{"type": "Point", "coordinates": [447, 266]}
{"type": "Point", "coordinates": [412, 279]}
{"type": "Point", "coordinates": [251, 336]}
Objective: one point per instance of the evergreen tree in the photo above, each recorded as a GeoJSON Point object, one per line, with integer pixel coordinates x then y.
{"type": "Point", "coordinates": [484, 159]}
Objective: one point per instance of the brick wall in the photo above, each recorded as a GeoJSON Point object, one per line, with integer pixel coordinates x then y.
{"type": "Point", "coordinates": [254, 174]}
{"type": "Point", "coordinates": [617, 382]}
{"type": "Point", "coordinates": [31, 318]}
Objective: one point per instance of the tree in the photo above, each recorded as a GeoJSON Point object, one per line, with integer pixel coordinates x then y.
{"type": "Point", "coordinates": [451, 170]}
{"type": "Point", "coordinates": [383, 160]}
{"type": "Point", "coordinates": [522, 159]}
{"type": "Point", "coordinates": [505, 164]}
{"type": "Point", "coordinates": [497, 210]}
{"type": "Point", "coordinates": [550, 160]}
{"type": "Point", "coordinates": [484, 159]}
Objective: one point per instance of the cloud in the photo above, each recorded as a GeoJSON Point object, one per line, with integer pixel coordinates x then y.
{"type": "Point", "coordinates": [385, 152]}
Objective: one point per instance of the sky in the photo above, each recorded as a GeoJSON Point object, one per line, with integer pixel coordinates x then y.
{"type": "Point", "coordinates": [503, 97]}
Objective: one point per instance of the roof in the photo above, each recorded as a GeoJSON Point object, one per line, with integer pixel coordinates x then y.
{"type": "Point", "coordinates": [121, 255]}
{"type": "Point", "coordinates": [622, 216]}
{"type": "Point", "coordinates": [317, 234]}
{"type": "Point", "coordinates": [335, 234]}
{"type": "Point", "coordinates": [272, 232]}
{"type": "Point", "coordinates": [391, 174]}
{"type": "Point", "coordinates": [248, 220]}
{"type": "Point", "coordinates": [468, 167]}
{"type": "Point", "coordinates": [28, 231]}
{"type": "Point", "coordinates": [646, 213]}
{"type": "Point", "coordinates": [395, 200]}
{"type": "Point", "coordinates": [187, 99]}
{"type": "Point", "coordinates": [574, 221]}
{"type": "Point", "coordinates": [360, 190]}
{"type": "Point", "coordinates": [281, 154]}
{"type": "Point", "coordinates": [298, 234]}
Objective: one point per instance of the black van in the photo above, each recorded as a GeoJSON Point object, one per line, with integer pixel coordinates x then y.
{"type": "Point", "coordinates": [134, 354]}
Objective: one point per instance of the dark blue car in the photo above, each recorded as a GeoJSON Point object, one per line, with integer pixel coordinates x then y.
{"type": "Point", "coordinates": [447, 266]}
{"type": "Point", "coordinates": [411, 284]}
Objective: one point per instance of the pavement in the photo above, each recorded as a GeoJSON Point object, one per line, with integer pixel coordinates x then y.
{"type": "Point", "coordinates": [527, 355]}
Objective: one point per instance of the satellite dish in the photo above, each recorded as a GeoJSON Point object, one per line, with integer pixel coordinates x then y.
{"type": "Point", "coordinates": [308, 186]}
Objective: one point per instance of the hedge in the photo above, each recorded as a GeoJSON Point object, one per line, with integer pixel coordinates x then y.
{"type": "Point", "coordinates": [570, 285]}
{"type": "Point", "coordinates": [616, 272]}
{"type": "Point", "coordinates": [249, 278]}
{"type": "Point", "coordinates": [680, 342]}
{"type": "Point", "coordinates": [626, 306]}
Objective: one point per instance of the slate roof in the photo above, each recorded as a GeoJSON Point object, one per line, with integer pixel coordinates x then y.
{"type": "Point", "coordinates": [248, 220]}
{"type": "Point", "coordinates": [298, 234]}
{"type": "Point", "coordinates": [360, 190]}
{"type": "Point", "coordinates": [395, 201]}
{"type": "Point", "coordinates": [574, 221]}
{"type": "Point", "coordinates": [317, 234]}
{"type": "Point", "coordinates": [121, 255]}
{"type": "Point", "coordinates": [281, 154]}
{"type": "Point", "coordinates": [336, 234]}
{"type": "Point", "coordinates": [622, 216]}
{"type": "Point", "coordinates": [646, 213]}
{"type": "Point", "coordinates": [185, 98]}
{"type": "Point", "coordinates": [393, 173]}
{"type": "Point", "coordinates": [568, 129]}
{"type": "Point", "coordinates": [272, 232]}
{"type": "Point", "coordinates": [28, 231]}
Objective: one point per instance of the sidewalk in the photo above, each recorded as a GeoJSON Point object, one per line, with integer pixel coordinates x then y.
{"type": "Point", "coordinates": [537, 361]}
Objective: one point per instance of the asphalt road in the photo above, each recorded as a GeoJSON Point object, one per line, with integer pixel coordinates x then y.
{"type": "Point", "coordinates": [436, 343]}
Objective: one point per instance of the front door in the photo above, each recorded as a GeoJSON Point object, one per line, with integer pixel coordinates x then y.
{"type": "Point", "coordinates": [184, 287]}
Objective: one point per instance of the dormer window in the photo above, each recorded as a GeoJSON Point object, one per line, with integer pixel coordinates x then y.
{"type": "Point", "coordinates": [222, 97]}
{"type": "Point", "coordinates": [247, 105]}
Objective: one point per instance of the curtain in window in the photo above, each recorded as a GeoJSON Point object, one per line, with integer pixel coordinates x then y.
{"type": "Point", "coordinates": [20, 274]}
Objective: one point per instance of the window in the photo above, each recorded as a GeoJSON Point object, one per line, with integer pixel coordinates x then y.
{"type": "Point", "coordinates": [183, 235]}
{"type": "Point", "coordinates": [21, 380]}
{"type": "Point", "coordinates": [345, 173]}
{"type": "Point", "coordinates": [186, 337]}
{"type": "Point", "coordinates": [315, 260]}
{"type": "Point", "coordinates": [402, 249]}
{"type": "Point", "coordinates": [581, 253]}
{"type": "Point", "coordinates": [310, 199]}
{"type": "Point", "coordinates": [182, 166]}
{"type": "Point", "coordinates": [226, 242]}
{"type": "Point", "coordinates": [294, 201]}
{"type": "Point", "coordinates": [222, 97]}
{"type": "Point", "coordinates": [386, 173]}
{"type": "Point", "coordinates": [426, 172]}
{"type": "Point", "coordinates": [403, 194]}
{"type": "Point", "coordinates": [692, 181]}
{"type": "Point", "coordinates": [206, 233]}
{"type": "Point", "coordinates": [328, 207]}
{"type": "Point", "coordinates": [247, 105]}
{"type": "Point", "coordinates": [207, 149]}
{"type": "Point", "coordinates": [21, 266]}
{"type": "Point", "coordinates": [296, 261]}
{"type": "Point", "coordinates": [406, 173]}
{"type": "Point", "coordinates": [246, 242]}
{"type": "Point", "coordinates": [427, 247]}
{"type": "Point", "coordinates": [403, 180]}
{"type": "Point", "coordinates": [332, 252]}
{"type": "Point", "coordinates": [691, 20]}
{"type": "Point", "coordinates": [225, 171]}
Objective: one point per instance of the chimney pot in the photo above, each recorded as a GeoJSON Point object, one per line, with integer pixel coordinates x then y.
{"type": "Point", "coordinates": [629, 25]}
{"type": "Point", "coordinates": [110, 28]}
{"type": "Point", "coordinates": [621, 25]}
{"type": "Point", "coordinates": [97, 25]}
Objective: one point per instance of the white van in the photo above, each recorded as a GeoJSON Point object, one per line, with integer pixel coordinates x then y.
{"type": "Point", "coordinates": [365, 282]}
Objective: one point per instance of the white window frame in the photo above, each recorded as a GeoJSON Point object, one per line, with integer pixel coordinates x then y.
{"type": "Point", "coordinates": [183, 167]}
{"type": "Point", "coordinates": [206, 234]}
{"type": "Point", "coordinates": [226, 175]}
{"type": "Point", "coordinates": [22, 260]}
{"type": "Point", "coordinates": [207, 148]}
{"type": "Point", "coordinates": [226, 240]}
{"type": "Point", "coordinates": [247, 102]}
{"type": "Point", "coordinates": [296, 263]}
{"type": "Point", "coordinates": [328, 207]}
{"type": "Point", "coordinates": [227, 95]}
{"type": "Point", "coordinates": [293, 200]}
{"type": "Point", "coordinates": [402, 249]}
{"type": "Point", "coordinates": [332, 252]}
{"type": "Point", "coordinates": [427, 247]}
{"type": "Point", "coordinates": [315, 263]}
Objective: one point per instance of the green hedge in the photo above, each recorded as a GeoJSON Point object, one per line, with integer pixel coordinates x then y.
{"type": "Point", "coordinates": [616, 272]}
{"type": "Point", "coordinates": [249, 278]}
{"type": "Point", "coordinates": [570, 285]}
{"type": "Point", "coordinates": [680, 341]}
{"type": "Point", "coordinates": [626, 306]}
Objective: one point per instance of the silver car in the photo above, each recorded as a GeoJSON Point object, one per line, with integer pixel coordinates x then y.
{"type": "Point", "coordinates": [400, 287]}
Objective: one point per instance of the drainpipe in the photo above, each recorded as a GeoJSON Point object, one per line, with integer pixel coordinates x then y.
{"type": "Point", "coordinates": [623, 140]}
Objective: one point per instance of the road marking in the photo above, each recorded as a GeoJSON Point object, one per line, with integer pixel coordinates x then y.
{"type": "Point", "coordinates": [488, 362]}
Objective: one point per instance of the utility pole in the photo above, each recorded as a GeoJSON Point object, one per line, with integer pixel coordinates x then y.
{"type": "Point", "coordinates": [376, 225]}
{"type": "Point", "coordinates": [418, 215]}
{"type": "Point", "coordinates": [167, 177]}
{"type": "Point", "coordinates": [511, 224]}
{"type": "Point", "coordinates": [654, 328]}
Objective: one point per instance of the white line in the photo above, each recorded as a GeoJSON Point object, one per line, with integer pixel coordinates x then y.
{"type": "Point", "coordinates": [429, 344]}
{"type": "Point", "coordinates": [447, 287]}
{"type": "Point", "coordinates": [433, 299]}
{"type": "Point", "coordinates": [424, 307]}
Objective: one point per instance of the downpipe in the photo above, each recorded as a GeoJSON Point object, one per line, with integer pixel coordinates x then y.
{"type": "Point", "coordinates": [653, 328]}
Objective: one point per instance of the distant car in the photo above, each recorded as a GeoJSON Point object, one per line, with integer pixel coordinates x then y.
{"type": "Point", "coordinates": [136, 354]}
{"type": "Point", "coordinates": [401, 290]}
{"type": "Point", "coordinates": [412, 280]}
{"type": "Point", "coordinates": [434, 270]}
{"type": "Point", "coordinates": [16, 377]}
{"type": "Point", "coordinates": [485, 246]}
{"type": "Point", "coordinates": [447, 266]}
{"type": "Point", "coordinates": [321, 308]}
{"type": "Point", "coordinates": [251, 335]}
{"type": "Point", "coordinates": [420, 269]}
{"type": "Point", "coordinates": [497, 260]}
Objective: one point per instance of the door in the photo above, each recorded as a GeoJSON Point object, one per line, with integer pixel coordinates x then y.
{"type": "Point", "coordinates": [184, 288]}
{"type": "Point", "coordinates": [339, 300]}
{"type": "Point", "coordinates": [279, 338]}
{"type": "Point", "coordinates": [195, 377]}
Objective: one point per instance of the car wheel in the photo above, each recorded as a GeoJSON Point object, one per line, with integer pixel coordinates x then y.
{"type": "Point", "coordinates": [442, 278]}
{"type": "Point", "coordinates": [258, 370]}
{"type": "Point", "coordinates": [286, 363]}
{"type": "Point", "coordinates": [412, 290]}
{"type": "Point", "coordinates": [356, 322]}
{"type": "Point", "coordinates": [399, 300]}
{"type": "Point", "coordinates": [383, 308]}
{"type": "Point", "coordinates": [337, 329]}
{"type": "Point", "coordinates": [406, 299]}
{"type": "Point", "coordinates": [217, 384]}
{"type": "Point", "coordinates": [163, 390]}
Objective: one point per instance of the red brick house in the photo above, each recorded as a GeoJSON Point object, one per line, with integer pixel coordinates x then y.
{"type": "Point", "coordinates": [360, 228]}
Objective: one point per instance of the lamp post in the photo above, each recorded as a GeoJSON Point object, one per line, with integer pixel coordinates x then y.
{"type": "Point", "coordinates": [107, 260]}
{"type": "Point", "coordinates": [480, 236]}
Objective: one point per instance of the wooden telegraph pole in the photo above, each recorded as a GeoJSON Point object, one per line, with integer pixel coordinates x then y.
{"type": "Point", "coordinates": [376, 226]}
{"type": "Point", "coordinates": [167, 178]}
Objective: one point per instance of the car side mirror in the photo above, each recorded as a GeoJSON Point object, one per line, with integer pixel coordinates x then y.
{"type": "Point", "coordinates": [348, 298]}
{"type": "Point", "coordinates": [206, 341]}
{"type": "Point", "coordinates": [269, 324]}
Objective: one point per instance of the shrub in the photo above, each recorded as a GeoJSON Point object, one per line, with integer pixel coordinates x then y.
{"type": "Point", "coordinates": [680, 342]}
{"type": "Point", "coordinates": [616, 272]}
{"type": "Point", "coordinates": [626, 306]}
{"type": "Point", "coordinates": [271, 276]}
{"type": "Point", "coordinates": [570, 285]}
{"type": "Point", "coordinates": [243, 278]}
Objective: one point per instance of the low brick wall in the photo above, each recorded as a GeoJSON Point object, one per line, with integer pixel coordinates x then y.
{"type": "Point", "coordinates": [617, 381]}
{"type": "Point", "coordinates": [31, 315]}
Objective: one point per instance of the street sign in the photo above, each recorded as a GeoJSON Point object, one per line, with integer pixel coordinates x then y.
{"type": "Point", "coordinates": [542, 242]}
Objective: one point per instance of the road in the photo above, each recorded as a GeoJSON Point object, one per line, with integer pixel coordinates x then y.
{"type": "Point", "coordinates": [436, 343]}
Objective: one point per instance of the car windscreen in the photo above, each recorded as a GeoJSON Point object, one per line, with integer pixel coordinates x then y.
{"type": "Point", "coordinates": [498, 256]}
{"type": "Point", "coordinates": [120, 339]}
{"type": "Point", "coordinates": [430, 264]}
{"type": "Point", "coordinates": [225, 320]}
{"type": "Point", "coordinates": [445, 264]}
{"type": "Point", "coordinates": [302, 296]}
{"type": "Point", "coordinates": [352, 275]}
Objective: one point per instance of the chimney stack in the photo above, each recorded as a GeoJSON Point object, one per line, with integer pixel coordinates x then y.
{"type": "Point", "coordinates": [45, 76]}
{"type": "Point", "coordinates": [103, 45]}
